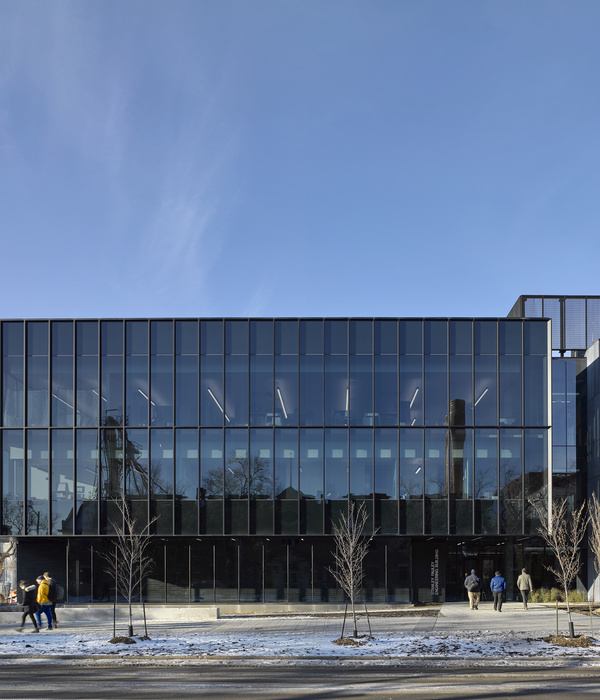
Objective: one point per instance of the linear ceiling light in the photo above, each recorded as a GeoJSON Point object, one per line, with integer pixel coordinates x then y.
{"type": "Point", "coordinates": [214, 398]}
{"type": "Point", "coordinates": [147, 399]}
{"type": "Point", "coordinates": [414, 397]}
{"type": "Point", "coordinates": [282, 404]}
{"type": "Point", "coordinates": [485, 391]}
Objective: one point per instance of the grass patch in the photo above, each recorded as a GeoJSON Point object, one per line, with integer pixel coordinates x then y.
{"type": "Point", "coordinates": [352, 641]}
{"type": "Point", "coordinates": [560, 641]}
{"type": "Point", "coordinates": [122, 640]}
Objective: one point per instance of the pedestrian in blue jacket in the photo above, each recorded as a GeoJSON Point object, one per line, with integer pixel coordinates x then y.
{"type": "Point", "coordinates": [498, 586]}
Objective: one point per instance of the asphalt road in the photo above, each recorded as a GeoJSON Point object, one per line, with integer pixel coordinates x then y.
{"type": "Point", "coordinates": [539, 680]}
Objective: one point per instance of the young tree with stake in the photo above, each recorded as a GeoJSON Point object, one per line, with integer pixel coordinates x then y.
{"type": "Point", "coordinates": [129, 562]}
{"type": "Point", "coordinates": [563, 532]}
{"type": "Point", "coordinates": [352, 546]}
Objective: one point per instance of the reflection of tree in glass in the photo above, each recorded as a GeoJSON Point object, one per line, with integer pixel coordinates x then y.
{"type": "Point", "coordinates": [12, 511]}
{"type": "Point", "coordinates": [244, 478]}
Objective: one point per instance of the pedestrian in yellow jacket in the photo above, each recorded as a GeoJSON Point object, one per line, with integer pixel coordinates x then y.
{"type": "Point", "coordinates": [44, 601]}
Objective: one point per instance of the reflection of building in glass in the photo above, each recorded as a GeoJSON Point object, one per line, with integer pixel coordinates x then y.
{"type": "Point", "coordinates": [247, 437]}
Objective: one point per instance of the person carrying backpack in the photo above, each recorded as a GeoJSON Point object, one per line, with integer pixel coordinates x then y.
{"type": "Point", "coordinates": [473, 586]}
{"type": "Point", "coordinates": [54, 594]}
{"type": "Point", "coordinates": [30, 605]}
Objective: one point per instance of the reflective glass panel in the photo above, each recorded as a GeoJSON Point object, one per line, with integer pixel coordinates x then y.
{"type": "Point", "coordinates": [386, 463]}
{"type": "Point", "coordinates": [137, 391]}
{"type": "Point", "coordinates": [13, 374]}
{"type": "Point", "coordinates": [211, 338]}
{"type": "Point", "coordinates": [111, 462]}
{"type": "Point", "coordinates": [236, 337]}
{"type": "Point", "coordinates": [361, 390]}
{"type": "Point", "coordinates": [461, 337]}
{"type": "Point", "coordinates": [286, 464]}
{"type": "Point", "coordinates": [186, 481]}
{"type": "Point", "coordinates": [261, 337]}
{"type": "Point", "coordinates": [261, 464]}
{"type": "Point", "coordinates": [486, 464]}
{"type": "Point", "coordinates": [411, 463]}
{"type": "Point", "coordinates": [311, 337]}
{"type": "Point", "coordinates": [161, 479]}
{"type": "Point", "coordinates": [186, 389]}
{"type": "Point", "coordinates": [386, 337]}
{"type": "Point", "coordinates": [161, 390]}
{"type": "Point", "coordinates": [211, 463]}
{"type": "Point", "coordinates": [136, 462]}
{"type": "Point", "coordinates": [63, 485]}
{"type": "Point", "coordinates": [436, 390]}
{"type": "Point", "coordinates": [336, 337]}
{"type": "Point", "coordinates": [262, 411]}
{"type": "Point", "coordinates": [535, 382]}
{"type": "Point", "coordinates": [460, 453]}
{"type": "Point", "coordinates": [385, 410]}
{"type": "Point", "coordinates": [186, 337]}
{"type": "Point", "coordinates": [111, 405]}
{"type": "Point", "coordinates": [410, 337]}
{"type": "Point", "coordinates": [37, 374]}
{"type": "Point", "coordinates": [236, 389]}
{"type": "Point", "coordinates": [461, 390]}
{"type": "Point", "coordinates": [486, 337]}
{"type": "Point", "coordinates": [86, 522]}
{"type": "Point", "coordinates": [237, 480]}
{"type": "Point", "coordinates": [361, 337]}
{"type": "Point", "coordinates": [286, 390]}
{"type": "Point", "coordinates": [411, 390]}
{"type": "Point", "coordinates": [12, 482]}
{"type": "Point", "coordinates": [510, 337]}
{"type": "Point", "coordinates": [311, 390]}
{"type": "Point", "coordinates": [436, 337]}
{"type": "Point", "coordinates": [286, 337]}
{"type": "Point", "coordinates": [336, 464]}
{"type": "Point", "coordinates": [161, 337]}
{"type": "Point", "coordinates": [535, 337]}
{"type": "Point", "coordinates": [336, 390]}
{"type": "Point", "coordinates": [361, 463]}
{"type": "Point", "coordinates": [37, 482]}
{"type": "Point", "coordinates": [212, 395]}
{"type": "Point", "coordinates": [311, 463]}
{"type": "Point", "coordinates": [111, 333]}
{"type": "Point", "coordinates": [510, 390]}
{"type": "Point", "coordinates": [486, 392]}
{"type": "Point", "coordinates": [435, 463]}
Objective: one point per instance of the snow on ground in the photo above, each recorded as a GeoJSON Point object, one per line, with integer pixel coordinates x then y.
{"type": "Point", "coordinates": [261, 645]}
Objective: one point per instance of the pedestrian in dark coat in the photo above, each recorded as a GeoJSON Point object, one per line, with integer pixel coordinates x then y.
{"type": "Point", "coordinates": [29, 604]}
{"type": "Point", "coordinates": [498, 586]}
{"type": "Point", "coordinates": [473, 586]}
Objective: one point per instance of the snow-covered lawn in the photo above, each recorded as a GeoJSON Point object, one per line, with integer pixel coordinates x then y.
{"type": "Point", "coordinates": [261, 645]}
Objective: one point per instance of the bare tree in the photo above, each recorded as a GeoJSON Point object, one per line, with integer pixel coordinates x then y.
{"type": "Point", "coordinates": [594, 536]}
{"type": "Point", "coordinates": [563, 532]}
{"type": "Point", "coordinates": [129, 561]}
{"type": "Point", "coordinates": [5, 556]}
{"type": "Point", "coordinates": [351, 547]}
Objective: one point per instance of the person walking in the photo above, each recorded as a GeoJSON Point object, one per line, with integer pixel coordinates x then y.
{"type": "Point", "coordinates": [53, 595]}
{"type": "Point", "coordinates": [498, 586]}
{"type": "Point", "coordinates": [525, 585]}
{"type": "Point", "coordinates": [473, 586]}
{"type": "Point", "coordinates": [44, 602]}
{"type": "Point", "coordinates": [29, 605]}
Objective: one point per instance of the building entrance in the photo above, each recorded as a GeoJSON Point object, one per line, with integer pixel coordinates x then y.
{"type": "Point", "coordinates": [462, 559]}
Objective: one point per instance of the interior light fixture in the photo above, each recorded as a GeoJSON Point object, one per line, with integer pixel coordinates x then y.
{"type": "Point", "coordinates": [347, 397]}
{"type": "Point", "coordinates": [98, 395]}
{"type": "Point", "coordinates": [414, 397]}
{"type": "Point", "coordinates": [485, 391]}
{"type": "Point", "coordinates": [147, 399]}
{"type": "Point", "coordinates": [418, 470]}
{"type": "Point", "coordinates": [62, 401]}
{"type": "Point", "coordinates": [214, 398]}
{"type": "Point", "coordinates": [414, 420]}
{"type": "Point", "coordinates": [282, 404]}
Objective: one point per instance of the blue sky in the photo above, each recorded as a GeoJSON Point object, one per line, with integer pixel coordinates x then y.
{"type": "Point", "coordinates": [297, 157]}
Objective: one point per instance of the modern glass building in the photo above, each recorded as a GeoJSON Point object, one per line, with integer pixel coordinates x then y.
{"type": "Point", "coordinates": [246, 438]}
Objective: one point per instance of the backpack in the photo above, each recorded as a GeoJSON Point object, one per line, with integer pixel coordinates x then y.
{"type": "Point", "coordinates": [60, 592]}
{"type": "Point", "coordinates": [52, 592]}
{"type": "Point", "coordinates": [473, 585]}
